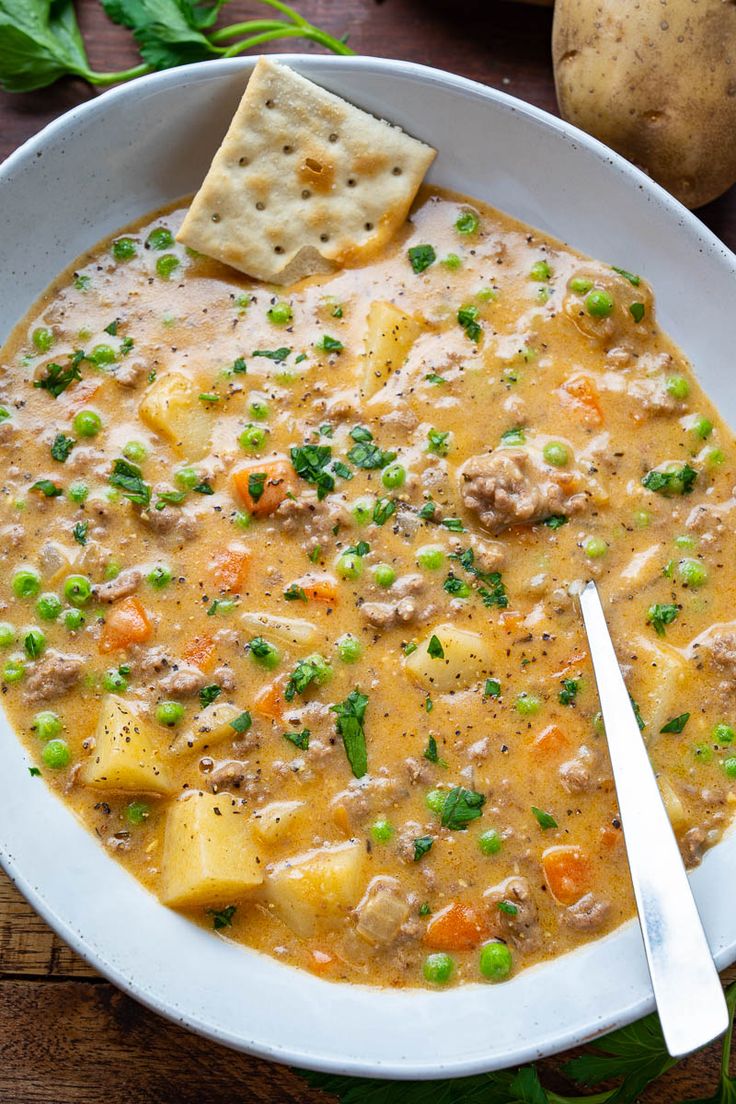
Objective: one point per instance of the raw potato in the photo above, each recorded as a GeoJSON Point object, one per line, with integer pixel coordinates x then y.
{"type": "Point", "coordinates": [209, 856]}
{"type": "Point", "coordinates": [173, 409]}
{"type": "Point", "coordinates": [125, 756]}
{"type": "Point", "coordinates": [664, 701]}
{"type": "Point", "coordinates": [467, 658]}
{"type": "Point", "coordinates": [656, 80]}
{"type": "Point", "coordinates": [390, 334]}
{"type": "Point", "coordinates": [317, 889]}
{"type": "Point", "coordinates": [274, 821]}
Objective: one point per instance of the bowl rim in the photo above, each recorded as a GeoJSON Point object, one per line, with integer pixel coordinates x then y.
{"type": "Point", "coordinates": [642, 1001]}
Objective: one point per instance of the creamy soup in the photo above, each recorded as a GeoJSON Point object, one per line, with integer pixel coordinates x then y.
{"type": "Point", "coordinates": [289, 609]}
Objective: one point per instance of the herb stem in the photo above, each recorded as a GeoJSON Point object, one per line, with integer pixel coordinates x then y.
{"type": "Point", "coordinates": [103, 79]}
{"type": "Point", "coordinates": [286, 9]}
{"type": "Point", "coordinates": [235, 30]}
{"type": "Point", "coordinates": [285, 31]}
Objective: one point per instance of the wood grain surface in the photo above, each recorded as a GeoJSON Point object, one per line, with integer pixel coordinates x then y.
{"type": "Point", "coordinates": [66, 1035]}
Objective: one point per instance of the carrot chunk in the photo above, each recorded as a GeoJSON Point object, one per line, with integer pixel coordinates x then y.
{"type": "Point", "coordinates": [126, 623]}
{"type": "Point", "coordinates": [456, 928]}
{"type": "Point", "coordinates": [269, 701]}
{"type": "Point", "coordinates": [581, 394]}
{"type": "Point", "coordinates": [231, 567]}
{"type": "Point", "coordinates": [262, 485]}
{"type": "Point", "coordinates": [551, 741]}
{"type": "Point", "coordinates": [567, 873]}
{"type": "Point", "coordinates": [320, 588]}
{"type": "Point", "coordinates": [200, 652]}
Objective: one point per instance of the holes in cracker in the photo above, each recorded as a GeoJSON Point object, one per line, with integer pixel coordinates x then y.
{"type": "Point", "coordinates": [287, 149]}
{"type": "Point", "coordinates": [215, 217]}
{"type": "Point", "coordinates": [260, 206]}
{"type": "Point", "coordinates": [242, 161]}
{"type": "Point", "coordinates": [306, 193]}
{"type": "Point", "coordinates": [324, 237]}
{"type": "Point", "coordinates": [278, 249]}
{"type": "Point", "coordinates": [368, 226]}
{"type": "Point", "coordinates": [333, 137]}
{"type": "Point", "coordinates": [352, 182]}
{"type": "Point", "coordinates": [269, 103]}
{"type": "Point", "coordinates": [313, 166]}
{"type": "Point", "coordinates": [396, 170]}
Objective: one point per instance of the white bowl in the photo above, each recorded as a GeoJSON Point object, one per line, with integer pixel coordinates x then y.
{"type": "Point", "coordinates": [139, 146]}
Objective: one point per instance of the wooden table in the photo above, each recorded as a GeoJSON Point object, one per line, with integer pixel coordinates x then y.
{"type": "Point", "coordinates": [66, 1035]}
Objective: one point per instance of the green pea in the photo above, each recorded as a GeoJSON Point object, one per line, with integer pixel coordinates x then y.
{"type": "Point", "coordinates": [393, 476]}
{"type": "Point", "coordinates": [102, 355]}
{"type": "Point", "coordinates": [13, 670]}
{"type": "Point", "coordinates": [703, 426]}
{"type": "Point", "coordinates": [540, 271]}
{"type": "Point", "coordinates": [556, 453]}
{"type": "Point", "coordinates": [438, 968]}
{"type": "Point", "coordinates": [580, 285]}
{"type": "Point", "coordinates": [685, 542]}
{"type": "Point", "coordinates": [159, 577]}
{"type": "Point", "coordinates": [451, 261]}
{"type": "Point", "coordinates": [42, 339]}
{"type": "Point", "coordinates": [114, 682]}
{"type": "Point", "coordinates": [495, 960]}
{"type": "Point", "coordinates": [678, 387]}
{"type": "Point", "coordinates": [362, 510]}
{"type": "Point", "coordinates": [715, 458]}
{"type": "Point", "coordinates": [435, 800]}
{"type": "Point", "coordinates": [166, 264]}
{"type": "Point", "coordinates": [34, 642]}
{"type": "Point", "coordinates": [124, 249]}
{"type": "Point", "coordinates": [186, 478]}
{"type": "Point", "coordinates": [26, 583]}
{"type": "Point", "coordinates": [693, 573]}
{"type": "Point", "coordinates": [349, 648]}
{"type": "Point", "coordinates": [73, 619]}
{"type": "Point", "coordinates": [729, 766]}
{"type": "Point", "coordinates": [384, 575]}
{"type": "Point", "coordinates": [112, 570]}
{"type": "Point", "coordinates": [77, 590]}
{"type": "Point", "coordinates": [48, 607]}
{"type": "Point", "coordinates": [160, 238]}
{"type": "Point", "coordinates": [489, 842]}
{"type": "Point", "coordinates": [135, 451]}
{"type": "Point", "coordinates": [280, 314]}
{"type": "Point", "coordinates": [723, 734]}
{"type": "Point", "coordinates": [137, 813]}
{"type": "Point", "coordinates": [431, 557]}
{"type": "Point", "coordinates": [169, 713]}
{"type": "Point", "coordinates": [381, 830]}
{"type": "Point", "coordinates": [87, 423]}
{"type": "Point", "coordinates": [349, 566]}
{"type": "Point", "coordinates": [599, 304]}
{"type": "Point", "coordinates": [642, 518]}
{"type": "Point", "coordinates": [7, 634]}
{"type": "Point", "coordinates": [253, 438]}
{"type": "Point", "coordinates": [259, 409]}
{"type": "Point", "coordinates": [78, 492]}
{"type": "Point", "coordinates": [594, 548]}
{"type": "Point", "coordinates": [241, 519]}
{"type": "Point", "coordinates": [486, 295]}
{"type": "Point", "coordinates": [46, 725]}
{"type": "Point", "coordinates": [527, 705]}
{"type": "Point", "coordinates": [56, 754]}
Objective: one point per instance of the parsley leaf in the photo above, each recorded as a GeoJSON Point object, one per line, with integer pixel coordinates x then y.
{"type": "Point", "coordinates": [310, 462]}
{"type": "Point", "coordinates": [431, 753]}
{"type": "Point", "coordinates": [330, 344]}
{"type": "Point", "coordinates": [468, 319]}
{"type": "Point", "coordinates": [39, 43]}
{"type": "Point", "coordinates": [350, 717]}
{"type": "Point", "coordinates": [278, 355]}
{"type": "Point", "coordinates": [383, 509]}
{"type": "Point", "coordinates": [47, 488]}
{"type": "Point", "coordinates": [637, 310]}
{"type": "Point", "coordinates": [58, 377]}
{"type": "Point", "coordinates": [313, 669]}
{"type": "Point", "coordinates": [461, 806]}
{"type": "Point", "coordinates": [129, 479]}
{"type": "Point", "coordinates": [633, 280]}
{"type": "Point", "coordinates": [569, 692]}
{"type": "Point", "coordinates": [256, 485]}
{"type": "Point", "coordinates": [299, 739]}
{"type": "Point", "coordinates": [242, 722]}
{"type": "Point", "coordinates": [34, 772]}
{"type": "Point", "coordinates": [422, 846]}
{"type": "Point", "coordinates": [514, 436]}
{"type": "Point", "coordinates": [492, 688]}
{"type": "Point", "coordinates": [61, 447]}
{"type": "Point", "coordinates": [661, 614]}
{"type": "Point", "coordinates": [435, 649]}
{"type": "Point", "coordinates": [222, 918]}
{"type": "Point", "coordinates": [676, 724]}
{"type": "Point", "coordinates": [295, 593]}
{"type": "Point", "coordinates": [675, 481]}
{"type": "Point", "coordinates": [365, 453]}
{"type": "Point", "coordinates": [208, 694]}
{"type": "Point", "coordinates": [79, 532]}
{"type": "Point", "coordinates": [421, 257]}
{"type": "Point", "coordinates": [555, 521]}
{"type": "Point", "coordinates": [203, 488]}
{"type": "Point", "coordinates": [545, 820]}
{"type": "Point", "coordinates": [456, 587]}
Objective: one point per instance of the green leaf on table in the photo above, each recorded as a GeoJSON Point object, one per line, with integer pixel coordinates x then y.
{"type": "Point", "coordinates": [637, 1054]}
{"type": "Point", "coordinates": [168, 32]}
{"type": "Point", "coordinates": [39, 42]}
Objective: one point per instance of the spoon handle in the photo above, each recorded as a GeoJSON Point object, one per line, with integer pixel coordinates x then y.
{"type": "Point", "coordinates": [692, 1009]}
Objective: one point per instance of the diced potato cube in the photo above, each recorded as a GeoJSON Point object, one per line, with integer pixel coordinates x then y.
{"type": "Point", "coordinates": [461, 659]}
{"type": "Point", "coordinates": [389, 336]}
{"type": "Point", "coordinates": [671, 669]}
{"type": "Point", "coordinates": [317, 889]}
{"type": "Point", "coordinates": [209, 856]}
{"type": "Point", "coordinates": [673, 804]}
{"type": "Point", "coordinates": [287, 630]}
{"type": "Point", "coordinates": [127, 755]}
{"type": "Point", "coordinates": [172, 409]}
{"type": "Point", "coordinates": [274, 821]}
{"type": "Point", "coordinates": [209, 726]}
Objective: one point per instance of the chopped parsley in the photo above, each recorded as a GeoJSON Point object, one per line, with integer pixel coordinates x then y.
{"type": "Point", "coordinates": [295, 593]}
{"type": "Point", "coordinates": [312, 669]}
{"type": "Point", "coordinates": [421, 257]}
{"type": "Point", "coordinates": [431, 753]}
{"type": "Point", "coordinates": [310, 463]}
{"type": "Point", "coordinates": [365, 453]}
{"type": "Point", "coordinates": [492, 688]}
{"type": "Point", "coordinates": [242, 722]}
{"type": "Point", "coordinates": [256, 485]}
{"type": "Point", "coordinates": [455, 525]}
{"type": "Point", "coordinates": [384, 508]}
{"type": "Point", "coordinates": [637, 713]}
{"type": "Point", "coordinates": [456, 587]}
{"type": "Point", "coordinates": [427, 511]}
{"type": "Point", "coordinates": [508, 908]}
{"type": "Point", "coordinates": [676, 724]}
{"type": "Point", "coordinates": [569, 691]}
{"type": "Point", "coordinates": [278, 355]}
{"type": "Point", "coordinates": [208, 694]}
{"type": "Point", "coordinates": [203, 488]}
{"type": "Point", "coordinates": [555, 521]}
{"type": "Point", "coordinates": [222, 918]}
{"type": "Point", "coordinates": [544, 820]}
{"type": "Point", "coordinates": [350, 717]}
{"type": "Point", "coordinates": [433, 377]}
{"type": "Point", "coordinates": [468, 319]}
{"type": "Point", "coordinates": [514, 436]}
{"type": "Point", "coordinates": [61, 447]}
{"type": "Point", "coordinates": [79, 532]}
{"type": "Point", "coordinates": [633, 280]}
{"type": "Point", "coordinates": [34, 772]}
{"type": "Point", "coordinates": [636, 310]}
{"type": "Point", "coordinates": [330, 344]}
{"type": "Point", "coordinates": [129, 479]}
{"type": "Point", "coordinates": [434, 648]}
{"type": "Point", "coordinates": [239, 366]}
{"type": "Point", "coordinates": [467, 223]}
{"type": "Point", "coordinates": [170, 498]}
{"type": "Point", "coordinates": [58, 377]}
{"type": "Point", "coordinates": [461, 806]}
{"type": "Point", "coordinates": [422, 847]}
{"type": "Point", "coordinates": [298, 739]}
{"type": "Point", "coordinates": [47, 488]}
{"type": "Point", "coordinates": [661, 614]}
{"type": "Point", "coordinates": [676, 481]}
{"type": "Point", "coordinates": [438, 442]}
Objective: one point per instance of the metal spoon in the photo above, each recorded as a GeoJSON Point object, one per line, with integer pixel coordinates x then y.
{"type": "Point", "coordinates": [690, 1002]}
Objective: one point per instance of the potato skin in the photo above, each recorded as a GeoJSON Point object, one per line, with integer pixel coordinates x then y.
{"type": "Point", "coordinates": [656, 81]}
